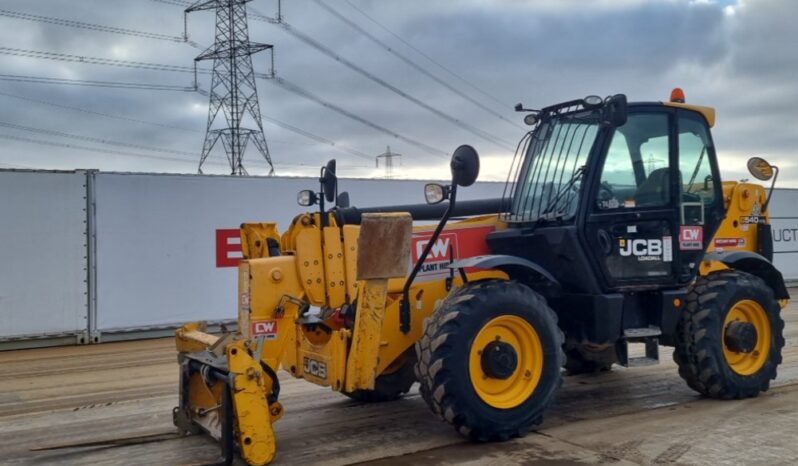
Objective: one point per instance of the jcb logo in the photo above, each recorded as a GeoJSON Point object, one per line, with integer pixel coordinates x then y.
{"type": "Point", "coordinates": [315, 368]}
{"type": "Point", "coordinates": [641, 247]}
{"type": "Point", "coordinates": [268, 328]}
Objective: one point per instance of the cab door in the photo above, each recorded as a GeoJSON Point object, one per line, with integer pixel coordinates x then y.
{"type": "Point", "coordinates": [632, 213]}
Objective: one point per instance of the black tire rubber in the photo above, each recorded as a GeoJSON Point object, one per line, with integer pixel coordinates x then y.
{"type": "Point", "coordinates": [698, 344]}
{"type": "Point", "coordinates": [443, 357]}
{"type": "Point", "coordinates": [582, 360]}
{"type": "Point", "coordinates": [391, 386]}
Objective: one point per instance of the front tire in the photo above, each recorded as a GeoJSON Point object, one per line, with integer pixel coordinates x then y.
{"type": "Point", "coordinates": [392, 384]}
{"type": "Point", "coordinates": [489, 360]}
{"type": "Point", "coordinates": [730, 337]}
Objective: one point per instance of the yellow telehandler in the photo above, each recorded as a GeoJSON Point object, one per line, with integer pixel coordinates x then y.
{"type": "Point", "coordinates": [614, 228]}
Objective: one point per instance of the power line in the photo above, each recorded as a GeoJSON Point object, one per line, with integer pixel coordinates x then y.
{"type": "Point", "coordinates": [316, 137]}
{"type": "Point", "coordinates": [280, 81]}
{"type": "Point", "coordinates": [83, 59]}
{"type": "Point", "coordinates": [274, 121]}
{"type": "Point", "coordinates": [145, 156]}
{"type": "Point", "coordinates": [251, 13]}
{"type": "Point", "coordinates": [91, 149]}
{"type": "Point", "coordinates": [415, 49]}
{"type": "Point", "coordinates": [27, 53]}
{"type": "Point", "coordinates": [94, 27]}
{"type": "Point", "coordinates": [102, 114]}
{"type": "Point", "coordinates": [164, 67]}
{"type": "Point", "coordinates": [308, 95]}
{"type": "Point", "coordinates": [89, 83]}
{"type": "Point", "coordinates": [351, 65]}
{"type": "Point", "coordinates": [89, 60]}
{"type": "Point", "coordinates": [412, 63]}
{"type": "Point", "coordinates": [92, 139]}
{"type": "Point", "coordinates": [320, 47]}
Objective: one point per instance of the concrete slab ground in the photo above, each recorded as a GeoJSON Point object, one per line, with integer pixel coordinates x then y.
{"type": "Point", "coordinates": [120, 396]}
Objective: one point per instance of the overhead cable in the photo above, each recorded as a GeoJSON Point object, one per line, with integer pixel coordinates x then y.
{"type": "Point", "coordinates": [91, 83]}
{"type": "Point", "coordinates": [412, 63]}
{"type": "Point", "coordinates": [274, 121]}
{"type": "Point", "coordinates": [420, 52]}
{"type": "Point", "coordinates": [92, 139]}
{"type": "Point", "coordinates": [351, 65]}
{"type": "Point", "coordinates": [192, 161]}
{"type": "Point", "coordinates": [94, 27]}
{"type": "Point", "coordinates": [308, 95]}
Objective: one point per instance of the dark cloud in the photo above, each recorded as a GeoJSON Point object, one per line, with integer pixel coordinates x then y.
{"type": "Point", "coordinates": [737, 57]}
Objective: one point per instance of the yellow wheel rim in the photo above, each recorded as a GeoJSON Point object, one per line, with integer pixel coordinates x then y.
{"type": "Point", "coordinates": [509, 392]}
{"type": "Point", "coordinates": [753, 313]}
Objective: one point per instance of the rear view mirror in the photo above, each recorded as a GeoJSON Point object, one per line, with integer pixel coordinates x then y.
{"type": "Point", "coordinates": [465, 166]}
{"type": "Point", "coordinates": [435, 193]}
{"type": "Point", "coordinates": [760, 168]}
{"type": "Point", "coordinates": [614, 111]}
{"type": "Point", "coordinates": [329, 182]}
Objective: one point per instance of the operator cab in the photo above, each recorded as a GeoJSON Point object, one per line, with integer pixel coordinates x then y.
{"type": "Point", "coordinates": [610, 196]}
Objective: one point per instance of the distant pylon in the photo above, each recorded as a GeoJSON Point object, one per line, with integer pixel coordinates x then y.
{"type": "Point", "coordinates": [387, 158]}
{"type": "Point", "coordinates": [233, 89]}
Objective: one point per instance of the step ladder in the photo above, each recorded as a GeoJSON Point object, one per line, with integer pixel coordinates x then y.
{"type": "Point", "coordinates": [646, 335]}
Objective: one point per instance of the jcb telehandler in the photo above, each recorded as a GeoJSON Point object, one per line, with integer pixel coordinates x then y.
{"type": "Point", "coordinates": [614, 228]}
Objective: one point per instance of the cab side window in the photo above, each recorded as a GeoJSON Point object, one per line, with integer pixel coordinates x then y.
{"type": "Point", "coordinates": [636, 170]}
{"type": "Point", "coordinates": [698, 183]}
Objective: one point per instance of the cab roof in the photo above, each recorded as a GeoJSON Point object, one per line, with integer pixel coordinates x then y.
{"type": "Point", "coordinates": [708, 112]}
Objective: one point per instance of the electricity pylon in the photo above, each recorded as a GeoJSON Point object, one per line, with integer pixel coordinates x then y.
{"type": "Point", "coordinates": [233, 89]}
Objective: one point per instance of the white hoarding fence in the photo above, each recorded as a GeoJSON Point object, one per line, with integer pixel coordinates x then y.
{"type": "Point", "coordinates": [784, 223]}
{"type": "Point", "coordinates": [43, 247]}
{"type": "Point", "coordinates": [89, 256]}
{"type": "Point", "coordinates": [168, 245]}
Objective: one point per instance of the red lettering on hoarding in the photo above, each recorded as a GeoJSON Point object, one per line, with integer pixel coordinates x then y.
{"type": "Point", "coordinates": [228, 247]}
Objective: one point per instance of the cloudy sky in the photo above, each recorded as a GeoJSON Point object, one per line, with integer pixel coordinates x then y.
{"type": "Point", "coordinates": [737, 55]}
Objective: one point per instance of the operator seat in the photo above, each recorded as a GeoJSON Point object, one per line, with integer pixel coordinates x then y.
{"type": "Point", "coordinates": [655, 190]}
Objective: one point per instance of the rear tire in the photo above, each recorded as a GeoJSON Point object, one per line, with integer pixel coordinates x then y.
{"type": "Point", "coordinates": [484, 397]}
{"type": "Point", "coordinates": [391, 384]}
{"type": "Point", "coordinates": [707, 360]}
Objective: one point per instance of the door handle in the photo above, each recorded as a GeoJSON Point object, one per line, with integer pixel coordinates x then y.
{"type": "Point", "coordinates": [604, 242]}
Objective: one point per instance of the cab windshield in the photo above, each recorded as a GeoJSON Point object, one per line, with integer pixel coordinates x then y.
{"type": "Point", "coordinates": [550, 177]}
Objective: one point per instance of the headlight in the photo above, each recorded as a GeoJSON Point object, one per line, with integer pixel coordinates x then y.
{"type": "Point", "coordinates": [531, 119]}
{"type": "Point", "coordinates": [306, 198]}
{"type": "Point", "coordinates": [434, 193]}
{"type": "Point", "coordinates": [593, 101]}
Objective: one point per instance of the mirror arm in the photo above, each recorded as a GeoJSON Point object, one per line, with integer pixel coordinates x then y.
{"type": "Point", "coordinates": [772, 185]}
{"type": "Point", "coordinates": [404, 307]}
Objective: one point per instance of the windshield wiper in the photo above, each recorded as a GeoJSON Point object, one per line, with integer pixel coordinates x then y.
{"type": "Point", "coordinates": [564, 189]}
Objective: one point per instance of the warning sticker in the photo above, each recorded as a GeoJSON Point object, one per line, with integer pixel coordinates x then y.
{"type": "Point", "coordinates": [729, 242]}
